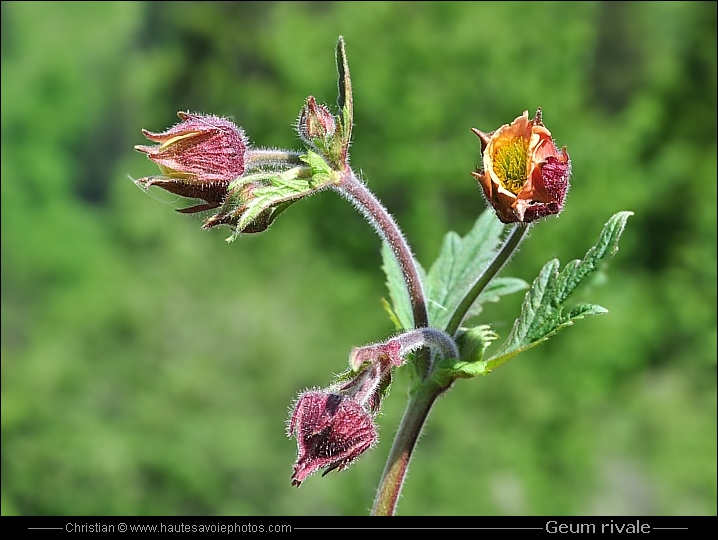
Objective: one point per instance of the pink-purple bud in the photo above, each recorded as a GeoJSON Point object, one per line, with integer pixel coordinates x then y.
{"type": "Point", "coordinates": [198, 157]}
{"type": "Point", "coordinates": [316, 122]}
{"type": "Point", "coordinates": [332, 431]}
{"type": "Point", "coordinates": [208, 147]}
{"type": "Point", "coordinates": [335, 425]}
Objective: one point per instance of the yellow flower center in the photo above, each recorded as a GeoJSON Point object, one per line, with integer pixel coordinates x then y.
{"type": "Point", "coordinates": [510, 162]}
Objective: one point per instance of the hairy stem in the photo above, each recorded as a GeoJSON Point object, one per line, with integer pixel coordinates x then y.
{"type": "Point", "coordinates": [426, 337]}
{"type": "Point", "coordinates": [367, 203]}
{"type": "Point", "coordinates": [512, 242]}
{"type": "Point", "coordinates": [397, 465]}
{"type": "Point", "coordinates": [261, 157]}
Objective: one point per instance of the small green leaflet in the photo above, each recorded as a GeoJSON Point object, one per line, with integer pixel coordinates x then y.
{"type": "Point", "coordinates": [472, 343]}
{"type": "Point", "coordinates": [542, 313]}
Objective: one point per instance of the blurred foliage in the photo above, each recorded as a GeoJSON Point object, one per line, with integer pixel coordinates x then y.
{"type": "Point", "coordinates": [147, 366]}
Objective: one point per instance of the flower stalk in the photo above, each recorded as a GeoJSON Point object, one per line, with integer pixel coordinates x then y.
{"type": "Point", "coordinates": [383, 223]}
{"type": "Point", "coordinates": [509, 247]}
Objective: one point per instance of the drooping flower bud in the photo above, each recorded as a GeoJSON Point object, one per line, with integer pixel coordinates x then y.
{"type": "Point", "coordinates": [334, 426]}
{"type": "Point", "coordinates": [198, 157]}
{"type": "Point", "coordinates": [332, 431]}
{"type": "Point", "coordinates": [524, 176]}
{"type": "Point", "coordinates": [394, 350]}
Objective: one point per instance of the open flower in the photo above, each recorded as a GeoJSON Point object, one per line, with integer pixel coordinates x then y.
{"type": "Point", "coordinates": [524, 177]}
{"type": "Point", "coordinates": [198, 158]}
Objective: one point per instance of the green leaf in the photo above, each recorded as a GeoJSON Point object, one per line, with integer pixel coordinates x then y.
{"type": "Point", "coordinates": [473, 342]}
{"type": "Point", "coordinates": [402, 312]}
{"type": "Point", "coordinates": [542, 310]}
{"type": "Point", "coordinates": [460, 262]}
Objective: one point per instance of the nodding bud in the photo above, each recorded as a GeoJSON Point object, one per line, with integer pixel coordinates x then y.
{"type": "Point", "coordinates": [335, 425]}
{"type": "Point", "coordinates": [332, 431]}
{"type": "Point", "coordinates": [523, 175]}
{"type": "Point", "coordinates": [316, 123]}
{"type": "Point", "coordinates": [198, 157]}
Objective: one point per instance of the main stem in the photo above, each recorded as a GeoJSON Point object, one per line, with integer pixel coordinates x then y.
{"type": "Point", "coordinates": [367, 203]}
{"type": "Point", "coordinates": [392, 480]}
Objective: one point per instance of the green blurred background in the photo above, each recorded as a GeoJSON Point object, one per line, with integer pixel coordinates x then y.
{"type": "Point", "coordinates": [148, 366]}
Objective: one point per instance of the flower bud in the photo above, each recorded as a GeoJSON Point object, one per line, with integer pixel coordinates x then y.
{"type": "Point", "coordinates": [332, 431]}
{"type": "Point", "coordinates": [316, 123]}
{"type": "Point", "coordinates": [335, 426]}
{"type": "Point", "coordinates": [198, 157]}
{"type": "Point", "coordinates": [524, 177]}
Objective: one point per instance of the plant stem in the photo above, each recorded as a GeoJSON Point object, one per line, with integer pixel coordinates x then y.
{"type": "Point", "coordinates": [260, 157]}
{"type": "Point", "coordinates": [415, 339]}
{"type": "Point", "coordinates": [367, 203]}
{"type": "Point", "coordinates": [392, 479]}
{"type": "Point", "coordinates": [513, 240]}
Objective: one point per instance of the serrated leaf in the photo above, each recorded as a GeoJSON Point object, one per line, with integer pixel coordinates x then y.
{"type": "Point", "coordinates": [582, 310]}
{"type": "Point", "coordinates": [542, 310]}
{"type": "Point", "coordinates": [460, 262]}
{"type": "Point", "coordinates": [397, 288]}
